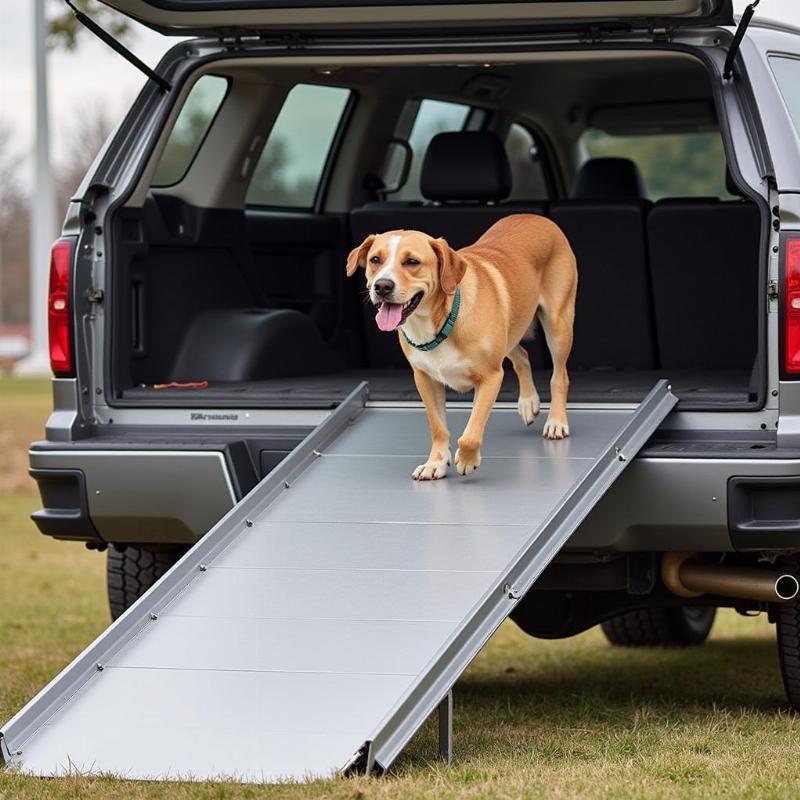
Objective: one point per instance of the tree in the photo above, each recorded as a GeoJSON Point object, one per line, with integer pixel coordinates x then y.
{"type": "Point", "coordinates": [63, 28]}
{"type": "Point", "coordinates": [87, 136]}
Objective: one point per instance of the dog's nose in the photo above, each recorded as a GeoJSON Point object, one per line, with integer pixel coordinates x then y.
{"type": "Point", "coordinates": [384, 287]}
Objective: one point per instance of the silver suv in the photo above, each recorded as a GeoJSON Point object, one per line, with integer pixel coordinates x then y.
{"type": "Point", "coordinates": [201, 322]}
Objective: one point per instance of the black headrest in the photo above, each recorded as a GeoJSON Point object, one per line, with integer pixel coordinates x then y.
{"type": "Point", "coordinates": [607, 179]}
{"type": "Point", "coordinates": [465, 165]}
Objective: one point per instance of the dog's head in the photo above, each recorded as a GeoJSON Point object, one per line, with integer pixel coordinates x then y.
{"type": "Point", "coordinates": [406, 271]}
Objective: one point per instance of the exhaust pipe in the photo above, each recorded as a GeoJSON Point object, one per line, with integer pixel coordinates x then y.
{"type": "Point", "coordinates": [683, 574]}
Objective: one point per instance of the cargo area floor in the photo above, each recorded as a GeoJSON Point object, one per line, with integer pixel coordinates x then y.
{"type": "Point", "coordinates": [701, 389]}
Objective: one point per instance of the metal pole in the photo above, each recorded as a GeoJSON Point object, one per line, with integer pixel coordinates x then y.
{"type": "Point", "coordinates": [446, 728]}
{"type": "Point", "coordinates": [43, 209]}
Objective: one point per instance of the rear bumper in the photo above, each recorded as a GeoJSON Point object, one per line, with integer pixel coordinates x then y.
{"type": "Point", "coordinates": [155, 496]}
{"type": "Point", "coordinates": [662, 504]}
{"type": "Point", "coordinates": [161, 495]}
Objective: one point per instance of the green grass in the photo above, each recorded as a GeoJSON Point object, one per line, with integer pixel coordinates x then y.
{"type": "Point", "coordinates": [574, 718]}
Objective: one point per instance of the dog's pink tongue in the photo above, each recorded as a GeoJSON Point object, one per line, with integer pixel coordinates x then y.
{"type": "Point", "coordinates": [388, 316]}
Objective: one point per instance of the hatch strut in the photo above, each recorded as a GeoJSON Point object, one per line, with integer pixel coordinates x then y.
{"type": "Point", "coordinates": [747, 15]}
{"type": "Point", "coordinates": [120, 48]}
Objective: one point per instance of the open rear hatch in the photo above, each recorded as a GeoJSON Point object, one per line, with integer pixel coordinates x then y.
{"type": "Point", "coordinates": [182, 17]}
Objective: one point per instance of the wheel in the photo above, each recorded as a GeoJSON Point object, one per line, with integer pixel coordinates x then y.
{"type": "Point", "coordinates": [131, 571]}
{"type": "Point", "coordinates": [787, 628]}
{"type": "Point", "coordinates": [660, 627]}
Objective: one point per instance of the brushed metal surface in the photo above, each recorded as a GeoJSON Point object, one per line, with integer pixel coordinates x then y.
{"type": "Point", "coordinates": [163, 723]}
{"type": "Point", "coordinates": [376, 545]}
{"type": "Point", "coordinates": [404, 432]}
{"type": "Point", "coordinates": [295, 641]}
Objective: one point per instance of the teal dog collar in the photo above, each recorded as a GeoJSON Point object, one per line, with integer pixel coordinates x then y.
{"type": "Point", "coordinates": [447, 328]}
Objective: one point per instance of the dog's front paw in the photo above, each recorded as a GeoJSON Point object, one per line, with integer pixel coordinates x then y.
{"type": "Point", "coordinates": [467, 460]}
{"type": "Point", "coordinates": [432, 470]}
{"type": "Point", "coordinates": [556, 428]}
{"type": "Point", "coordinates": [528, 408]}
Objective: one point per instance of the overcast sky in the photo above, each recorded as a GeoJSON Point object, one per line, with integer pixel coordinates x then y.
{"type": "Point", "coordinates": [94, 75]}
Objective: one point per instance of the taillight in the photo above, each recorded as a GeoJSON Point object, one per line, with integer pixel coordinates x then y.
{"type": "Point", "coordinates": [59, 324]}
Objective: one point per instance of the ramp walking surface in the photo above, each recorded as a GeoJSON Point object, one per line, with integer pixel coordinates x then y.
{"type": "Point", "coordinates": [328, 614]}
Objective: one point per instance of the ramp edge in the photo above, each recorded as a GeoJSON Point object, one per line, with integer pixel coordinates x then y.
{"type": "Point", "coordinates": [88, 664]}
{"type": "Point", "coordinates": [422, 699]}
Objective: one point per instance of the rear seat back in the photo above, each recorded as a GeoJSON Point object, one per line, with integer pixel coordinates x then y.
{"type": "Point", "coordinates": [464, 176]}
{"type": "Point", "coordinates": [605, 224]}
{"type": "Point", "coordinates": [704, 263]}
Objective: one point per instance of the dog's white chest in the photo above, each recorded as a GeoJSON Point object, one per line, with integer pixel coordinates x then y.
{"type": "Point", "coordinates": [445, 364]}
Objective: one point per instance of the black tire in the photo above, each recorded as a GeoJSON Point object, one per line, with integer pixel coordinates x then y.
{"type": "Point", "coordinates": [660, 627]}
{"type": "Point", "coordinates": [131, 571]}
{"type": "Point", "coordinates": [787, 628]}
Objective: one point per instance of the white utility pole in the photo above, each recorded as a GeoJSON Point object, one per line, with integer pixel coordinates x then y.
{"type": "Point", "coordinates": [43, 210]}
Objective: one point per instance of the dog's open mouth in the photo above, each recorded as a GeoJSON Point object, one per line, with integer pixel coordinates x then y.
{"type": "Point", "coordinates": [392, 315]}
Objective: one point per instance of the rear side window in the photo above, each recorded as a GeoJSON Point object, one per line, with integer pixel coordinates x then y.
{"type": "Point", "coordinates": [671, 164]}
{"type": "Point", "coordinates": [528, 180]}
{"type": "Point", "coordinates": [787, 74]}
{"type": "Point", "coordinates": [191, 127]}
{"type": "Point", "coordinates": [433, 116]}
{"type": "Point", "coordinates": [293, 160]}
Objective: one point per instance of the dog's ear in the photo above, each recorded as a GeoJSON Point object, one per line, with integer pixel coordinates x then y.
{"type": "Point", "coordinates": [358, 255]}
{"type": "Point", "coordinates": [451, 265]}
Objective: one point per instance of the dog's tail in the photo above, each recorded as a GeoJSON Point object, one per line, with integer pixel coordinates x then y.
{"type": "Point", "coordinates": [530, 333]}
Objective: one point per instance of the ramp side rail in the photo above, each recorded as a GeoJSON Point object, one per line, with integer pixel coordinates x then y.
{"type": "Point", "coordinates": [437, 680]}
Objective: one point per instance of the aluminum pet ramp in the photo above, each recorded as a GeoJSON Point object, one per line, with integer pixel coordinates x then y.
{"type": "Point", "coordinates": [330, 612]}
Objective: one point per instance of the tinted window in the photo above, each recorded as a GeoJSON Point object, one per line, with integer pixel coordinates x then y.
{"type": "Point", "coordinates": [787, 73]}
{"type": "Point", "coordinates": [433, 116]}
{"type": "Point", "coordinates": [527, 172]}
{"type": "Point", "coordinates": [191, 127]}
{"type": "Point", "coordinates": [672, 165]}
{"type": "Point", "coordinates": [297, 148]}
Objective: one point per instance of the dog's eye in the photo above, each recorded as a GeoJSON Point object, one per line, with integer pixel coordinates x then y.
{"type": "Point", "coordinates": [411, 262]}
{"type": "Point", "coordinates": [375, 260]}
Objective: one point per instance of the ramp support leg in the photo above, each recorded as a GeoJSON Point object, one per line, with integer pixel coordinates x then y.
{"type": "Point", "coordinates": [446, 727]}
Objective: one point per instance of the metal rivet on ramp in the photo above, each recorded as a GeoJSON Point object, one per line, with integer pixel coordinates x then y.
{"type": "Point", "coordinates": [287, 485]}
{"type": "Point", "coordinates": [620, 455]}
{"type": "Point", "coordinates": [153, 616]}
{"type": "Point", "coordinates": [202, 567]}
{"type": "Point", "coordinates": [99, 667]}
{"type": "Point", "coordinates": [317, 453]}
{"type": "Point", "coordinates": [511, 592]}
{"type": "Point", "coordinates": [249, 523]}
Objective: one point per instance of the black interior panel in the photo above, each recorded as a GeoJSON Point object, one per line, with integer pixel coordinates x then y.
{"type": "Point", "coordinates": [696, 389]}
{"type": "Point", "coordinates": [180, 265]}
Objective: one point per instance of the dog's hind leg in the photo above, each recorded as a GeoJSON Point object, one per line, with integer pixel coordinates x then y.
{"type": "Point", "coordinates": [433, 397]}
{"type": "Point", "coordinates": [528, 403]}
{"type": "Point", "coordinates": [558, 332]}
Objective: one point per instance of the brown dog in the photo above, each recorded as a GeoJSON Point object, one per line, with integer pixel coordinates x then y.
{"type": "Point", "coordinates": [461, 312]}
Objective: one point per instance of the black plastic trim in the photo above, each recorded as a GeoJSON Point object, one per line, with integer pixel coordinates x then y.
{"type": "Point", "coordinates": [764, 512]}
{"type": "Point", "coordinates": [65, 512]}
